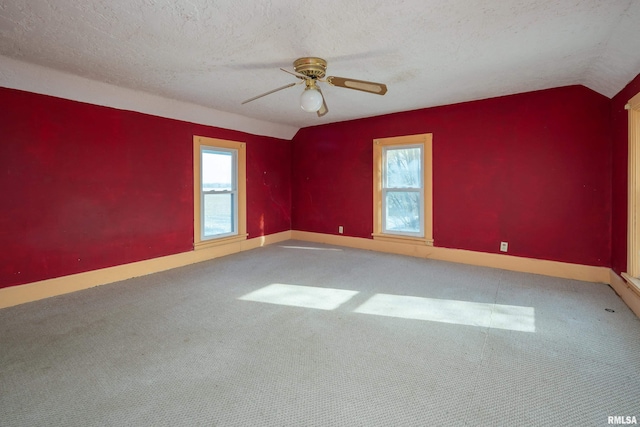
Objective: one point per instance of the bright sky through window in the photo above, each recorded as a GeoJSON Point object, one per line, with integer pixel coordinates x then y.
{"type": "Point", "coordinates": [216, 168]}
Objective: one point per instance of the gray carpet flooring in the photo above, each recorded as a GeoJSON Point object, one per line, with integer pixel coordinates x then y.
{"type": "Point", "coordinates": [299, 334]}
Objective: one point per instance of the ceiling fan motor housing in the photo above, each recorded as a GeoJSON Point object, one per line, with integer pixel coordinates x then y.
{"type": "Point", "coordinates": [311, 67]}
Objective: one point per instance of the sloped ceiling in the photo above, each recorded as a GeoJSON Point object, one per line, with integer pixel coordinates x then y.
{"type": "Point", "coordinates": [216, 54]}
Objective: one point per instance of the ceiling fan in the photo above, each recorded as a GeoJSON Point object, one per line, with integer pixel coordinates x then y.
{"type": "Point", "coordinates": [310, 71]}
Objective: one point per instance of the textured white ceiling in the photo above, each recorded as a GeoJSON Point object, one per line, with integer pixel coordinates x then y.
{"type": "Point", "coordinates": [429, 52]}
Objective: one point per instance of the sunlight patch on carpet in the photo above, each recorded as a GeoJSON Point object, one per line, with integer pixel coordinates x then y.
{"type": "Point", "coordinates": [512, 317]}
{"type": "Point", "coordinates": [301, 296]}
{"type": "Point", "coordinates": [312, 248]}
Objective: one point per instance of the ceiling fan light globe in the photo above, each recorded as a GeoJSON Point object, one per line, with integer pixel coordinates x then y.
{"type": "Point", "coordinates": [311, 100]}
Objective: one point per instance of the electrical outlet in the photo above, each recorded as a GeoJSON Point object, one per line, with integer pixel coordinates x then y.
{"type": "Point", "coordinates": [504, 246]}
{"type": "Point", "coordinates": [340, 229]}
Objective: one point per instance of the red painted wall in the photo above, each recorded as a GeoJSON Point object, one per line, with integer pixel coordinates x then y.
{"type": "Point", "coordinates": [532, 169]}
{"type": "Point", "coordinates": [620, 150]}
{"type": "Point", "coordinates": [86, 187]}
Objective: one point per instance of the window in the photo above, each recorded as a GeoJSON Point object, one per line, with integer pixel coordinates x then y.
{"type": "Point", "coordinates": [219, 191]}
{"type": "Point", "coordinates": [402, 189]}
{"type": "Point", "coordinates": [633, 229]}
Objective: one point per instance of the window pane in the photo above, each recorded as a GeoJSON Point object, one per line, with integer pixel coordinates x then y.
{"type": "Point", "coordinates": [217, 214]}
{"type": "Point", "coordinates": [217, 170]}
{"type": "Point", "coordinates": [403, 167]}
{"type": "Point", "coordinates": [402, 211]}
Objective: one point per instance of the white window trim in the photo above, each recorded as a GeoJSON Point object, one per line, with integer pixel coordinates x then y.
{"type": "Point", "coordinates": [233, 191]}
{"type": "Point", "coordinates": [241, 186]}
{"type": "Point", "coordinates": [427, 214]}
{"type": "Point", "coordinates": [632, 276]}
{"type": "Point", "coordinates": [385, 190]}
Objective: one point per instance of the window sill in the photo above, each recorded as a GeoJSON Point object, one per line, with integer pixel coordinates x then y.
{"type": "Point", "coordinates": [402, 239]}
{"type": "Point", "coordinates": [219, 242]}
{"type": "Point", "coordinates": [633, 282]}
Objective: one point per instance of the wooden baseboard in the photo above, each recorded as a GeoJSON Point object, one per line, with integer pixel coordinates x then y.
{"type": "Point", "coordinates": [506, 262]}
{"type": "Point", "coordinates": [624, 290]}
{"type": "Point", "coordinates": [21, 294]}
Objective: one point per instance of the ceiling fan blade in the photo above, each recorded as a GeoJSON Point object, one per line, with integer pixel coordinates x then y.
{"type": "Point", "coordinates": [293, 73]}
{"type": "Point", "coordinates": [323, 109]}
{"type": "Point", "coordinates": [371, 87]}
{"type": "Point", "coordinates": [270, 92]}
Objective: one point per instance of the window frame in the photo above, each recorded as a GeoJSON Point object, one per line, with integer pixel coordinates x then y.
{"type": "Point", "coordinates": [233, 192]}
{"type": "Point", "coordinates": [633, 225]}
{"type": "Point", "coordinates": [379, 148]}
{"type": "Point", "coordinates": [221, 145]}
{"type": "Point", "coordinates": [385, 189]}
